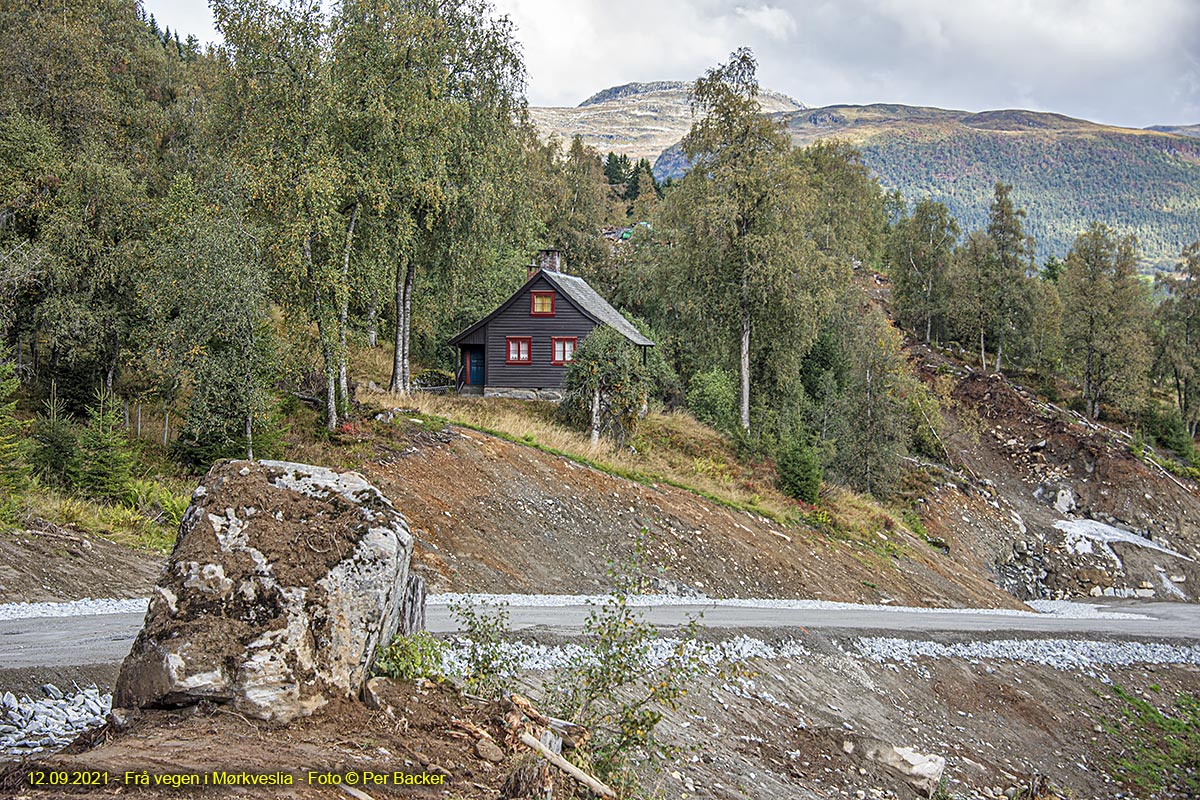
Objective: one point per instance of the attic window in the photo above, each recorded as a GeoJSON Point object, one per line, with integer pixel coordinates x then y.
{"type": "Point", "coordinates": [562, 349]}
{"type": "Point", "coordinates": [541, 304]}
{"type": "Point", "coordinates": [517, 349]}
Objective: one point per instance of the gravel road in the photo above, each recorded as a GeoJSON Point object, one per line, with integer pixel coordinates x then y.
{"type": "Point", "coordinates": [85, 639]}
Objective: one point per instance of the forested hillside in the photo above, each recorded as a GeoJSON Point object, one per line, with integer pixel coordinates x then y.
{"type": "Point", "coordinates": [204, 253]}
{"type": "Point", "coordinates": [1067, 172]}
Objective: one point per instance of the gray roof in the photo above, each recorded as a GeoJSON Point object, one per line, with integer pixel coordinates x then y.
{"type": "Point", "coordinates": [595, 306]}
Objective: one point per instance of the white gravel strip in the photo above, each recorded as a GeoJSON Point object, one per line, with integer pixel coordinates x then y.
{"type": "Point", "coordinates": [75, 608]}
{"type": "Point", "coordinates": [1056, 608]}
{"type": "Point", "coordinates": [539, 657]}
{"type": "Point", "coordinates": [1064, 654]}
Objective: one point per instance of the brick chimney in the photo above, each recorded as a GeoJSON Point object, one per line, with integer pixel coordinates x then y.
{"type": "Point", "coordinates": [550, 260]}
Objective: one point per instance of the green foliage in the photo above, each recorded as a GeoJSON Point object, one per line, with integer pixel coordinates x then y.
{"type": "Point", "coordinates": [1167, 430]}
{"type": "Point", "coordinates": [490, 663]}
{"type": "Point", "coordinates": [749, 270]}
{"type": "Point", "coordinates": [1104, 314]}
{"type": "Point", "coordinates": [1159, 748]}
{"type": "Point", "coordinates": [615, 688]}
{"type": "Point", "coordinates": [157, 502]}
{"type": "Point", "coordinates": [55, 445]}
{"type": "Point", "coordinates": [14, 470]}
{"type": "Point", "coordinates": [412, 656]}
{"type": "Point", "coordinates": [920, 250]}
{"type": "Point", "coordinates": [103, 470]}
{"type": "Point", "coordinates": [799, 472]}
{"type": "Point", "coordinates": [1177, 335]}
{"type": "Point", "coordinates": [712, 398]}
{"type": "Point", "coordinates": [606, 387]}
{"type": "Point", "coordinates": [209, 327]}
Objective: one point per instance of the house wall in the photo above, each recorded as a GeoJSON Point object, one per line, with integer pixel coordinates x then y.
{"type": "Point", "coordinates": [516, 321]}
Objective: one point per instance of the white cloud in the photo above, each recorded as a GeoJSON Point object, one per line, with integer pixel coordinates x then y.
{"type": "Point", "coordinates": [771, 20]}
{"type": "Point", "coordinates": [1109, 60]}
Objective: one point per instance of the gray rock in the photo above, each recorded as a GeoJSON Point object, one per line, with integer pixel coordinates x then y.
{"type": "Point", "coordinates": [275, 612]}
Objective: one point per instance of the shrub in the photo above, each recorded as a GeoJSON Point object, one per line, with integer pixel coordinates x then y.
{"type": "Point", "coordinates": [616, 687]}
{"type": "Point", "coordinates": [712, 398]}
{"type": "Point", "coordinates": [490, 663]}
{"type": "Point", "coordinates": [412, 656]}
{"type": "Point", "coordinates": [607, 376]}
{"type": "Point", "coordinates": [799, 472]}
{"type": "Point", "coordinates": [428, 378]}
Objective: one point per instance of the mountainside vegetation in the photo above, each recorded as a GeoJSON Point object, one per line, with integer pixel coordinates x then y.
{"type": "Point", "coordinates": [216, 242]}
{"type": "Point", "coordinates": [1067, 172]}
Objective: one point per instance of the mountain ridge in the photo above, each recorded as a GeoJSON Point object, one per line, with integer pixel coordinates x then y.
{"type": "Point", "coordinates": [638, 120]}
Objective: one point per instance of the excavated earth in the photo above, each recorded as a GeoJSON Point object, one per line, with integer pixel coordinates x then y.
{"type": "Point", "coordinates": [494, 516]}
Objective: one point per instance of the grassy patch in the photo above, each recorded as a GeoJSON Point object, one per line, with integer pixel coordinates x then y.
{"type": "Point", "coordinates": [1159, 748]}
{"type": "Point", "coordinates": [672, 449]}
{"type": "Point", "coordinates": [142, 522]}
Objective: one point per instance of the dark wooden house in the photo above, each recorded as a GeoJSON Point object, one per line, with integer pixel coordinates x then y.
{"type": "Point", "coordinates": [522, 349]}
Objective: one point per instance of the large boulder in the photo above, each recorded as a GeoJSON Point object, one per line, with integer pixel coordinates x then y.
{"type": "Point", "coordinates": [284, 581]}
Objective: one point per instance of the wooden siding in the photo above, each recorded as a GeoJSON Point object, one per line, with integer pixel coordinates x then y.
{"type": "Point", "coordinates": [516, 321]}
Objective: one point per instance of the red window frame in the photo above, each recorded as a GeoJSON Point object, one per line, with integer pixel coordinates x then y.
{"type": "Point", "coordinates": [533, 304]}
{"type": "Point", "coordinates": [554, 340]}
{"type": "Point", "coordinates": [508, 343]}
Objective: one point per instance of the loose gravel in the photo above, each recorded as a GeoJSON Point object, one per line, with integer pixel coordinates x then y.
{"type": "Point", "coordinates": [75, 608]}
{"type": "Point", "coordinates": [51, 722]}
{"type": "Point", "coordinates": [1057, 608]}
{"type": "Point", "coordinates": [1062, 654]}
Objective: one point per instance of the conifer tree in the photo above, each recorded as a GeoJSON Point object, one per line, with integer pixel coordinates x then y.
{"type": "Point", "coordinates": [104, 467]}
{"type": "Point", "coordinates": [1104, 310]}
{"type": "Point", "coordinates": [14, 470]}
{"type": "Point", "coordinates": [55, 446]}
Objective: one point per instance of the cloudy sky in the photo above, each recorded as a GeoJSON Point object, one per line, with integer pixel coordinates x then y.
{"type": "Point", "coordinates": [1124, 62]}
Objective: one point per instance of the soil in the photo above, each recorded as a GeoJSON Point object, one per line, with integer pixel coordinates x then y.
{"type": "Point", "coordinates": [416, 736]}
{"type": "Point", "coordinates": [1019, 452]}
{"type": "Point", "coordinates": [493, 516]}
{"type": "Point", "coordinates": [792, 728]}
{"type": "Point", "coordinates": [67, 564]}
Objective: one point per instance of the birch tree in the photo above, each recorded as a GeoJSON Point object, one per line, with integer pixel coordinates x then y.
{"type": "Point", "coordinates": [744, 273]}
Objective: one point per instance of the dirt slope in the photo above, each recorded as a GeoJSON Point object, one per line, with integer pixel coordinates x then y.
{"type": "Point", "coordinates": [1045, 474]}
{"type": "Point", "coordinates": [495, 516]}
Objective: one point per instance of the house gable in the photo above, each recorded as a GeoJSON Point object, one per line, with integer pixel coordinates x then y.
{"type": "Point", "coordinates": [519, 338]}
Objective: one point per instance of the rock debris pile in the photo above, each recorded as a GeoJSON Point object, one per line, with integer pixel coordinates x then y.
{"type": "Point", "coordinates": [50, 722]}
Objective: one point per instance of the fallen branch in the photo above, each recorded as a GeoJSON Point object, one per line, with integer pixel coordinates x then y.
{"type": "Point", "coordinates": [566, 766]}
{"type": "Point", "coordinates": [471, 728]}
